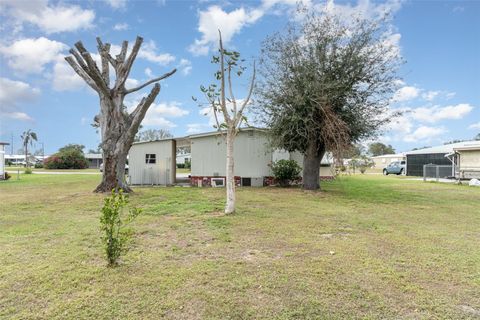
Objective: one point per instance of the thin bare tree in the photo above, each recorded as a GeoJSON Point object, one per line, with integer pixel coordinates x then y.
{"type": "Point", "coordinates": [118, 127]}
{"type": "Point", "coordinates": [230, 109]}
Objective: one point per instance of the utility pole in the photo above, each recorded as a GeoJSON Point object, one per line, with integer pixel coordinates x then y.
{"type": "Point", "coordinates": [11, 150]}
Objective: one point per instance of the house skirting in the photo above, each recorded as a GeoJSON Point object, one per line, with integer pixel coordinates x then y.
{"type": "Point", "coordinates": [206, 181]}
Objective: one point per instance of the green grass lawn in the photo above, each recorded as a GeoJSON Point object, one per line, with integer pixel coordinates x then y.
{"type": "Point", "coordinates": [368, 247]}
{"type": "Point", "coordinates": [183, 170]}
{"type": "Point", "coordinates": [13, 170]}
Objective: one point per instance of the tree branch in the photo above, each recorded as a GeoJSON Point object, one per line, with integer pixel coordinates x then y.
{"type": "Point", "coordinates": [138, 114]}
{"type": "Point", "coordinates": [129, 63]}
{"type": "Point", "coordinates": [93, 70]}
{"type": "Point", "coordinates": [247, 100]}
{"type": "Point", "coordinates": [104, 51]}
{"type": "Point", "coordinates": [166, 75]}
{"type": "Point", "coordinates": [223, 104]}
{"type": "Point", "coordinates": [81, 73]}
{"type": "Point", "coordinates": [231, 91]}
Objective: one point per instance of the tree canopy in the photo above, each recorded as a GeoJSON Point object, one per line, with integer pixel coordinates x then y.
{"type": "Point", "coordinates": [379, 149]}
{"type": "Point", "coordinates": [326, 84]}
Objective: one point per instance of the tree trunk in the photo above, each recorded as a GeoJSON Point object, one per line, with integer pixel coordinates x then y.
{"type": "Point", "coordinates": [230, 179]}
{"type": "Point", "coordinates": [26, 156]}
{"type": "Point", "coordinates": [116, 143]}
{"type": "Point", "coordinates": [311, 166]}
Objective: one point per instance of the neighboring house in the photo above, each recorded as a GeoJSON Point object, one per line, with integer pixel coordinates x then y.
{"type": "Point", "coordinates": [184, 157]}
{"type": "Point", "coordinates": [443, 155]}
{"type": "Point", "coordinates": [468, 160]}
{"type": "Point", "coordinates": [2, 159]}
{"type": "Point", "coordinates": [19, 159]}
{"type": "Point", "coordinates": [384, 160]}
{"type": "Point", "coordinates": [154, 162]}
{"type": "Point", "coordinates": [94, 160]}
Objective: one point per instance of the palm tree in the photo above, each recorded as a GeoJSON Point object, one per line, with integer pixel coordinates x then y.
{"type": "Point", "coordinates": [28, 137]}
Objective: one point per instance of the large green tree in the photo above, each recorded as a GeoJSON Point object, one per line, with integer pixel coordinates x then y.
{"type": "Point", "coordinates": [379, 149]}
{"type": "Point", "coordinates": [325, 85]}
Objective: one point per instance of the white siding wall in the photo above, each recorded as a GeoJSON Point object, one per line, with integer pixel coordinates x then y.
{"type": "Point", "coordinates": [162, 172]}
{"type": "Point", "coordinates": [252, 155]}
{"type": "Point", "coordinates": [469, 160]}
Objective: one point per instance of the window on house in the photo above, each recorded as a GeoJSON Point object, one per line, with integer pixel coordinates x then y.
{"type": "Point", "coordinates": [150, 158]}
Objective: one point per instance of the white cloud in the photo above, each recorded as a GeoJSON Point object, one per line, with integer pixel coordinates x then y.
{"type": "Point", "coordinates": [49, 18]}
{"type": "Point", "coordinates": [157, 114]}
{"type": "Point", "coordinates": [436, 113]}
{"type": "Point", "coordinates": [148, 52]}
{"type": "Point", "coordinates": [197, 127]}
{"type": "Point", "coordinates": [185, 66]}
{"type": "Point", "coordinates": [148, 72]}
{"type": "Point", "coordinates": [425, 133]}
{"type": "Point", "coordinates": [406, 93]}
{"type": "Point", "coordinates": [230, 23]}
{"type": "Point", "coordinates": [31, 55]}
{"type": "Point", "coordinates": [12, 95]}
{"type": "Point", "coordinates": [17, 116]}
{"type": "Point", "coordinates": [83, 121]}
{"type": "Point", "coordinates": [401, 124]}
{"type": "Point", "coordinates": [12, 92]}
{"type": "Point", "coordinates": [363, 8]}
{"type": "Point", "coordinates": [474, 126]}
{"type": "Point", "coordinates": [430, 95]}
{"type": "Point", "coordinates": [117, 4]}
{"type": "Point", "coordinates": [131, 83]}
{"type": "Point", "coordinates": [64, 78]}
{"type": "Point", "coordinates": [121, 26]}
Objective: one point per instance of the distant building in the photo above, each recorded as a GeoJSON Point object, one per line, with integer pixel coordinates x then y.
{"type": "Point", "coordinates": [384, 160]}
{"type": "Point", "coordinates": [94, 160]}
{"type": "Point", "coordinates": [449, 156]}
{"type": "Point", "coordinates": [2, 159]}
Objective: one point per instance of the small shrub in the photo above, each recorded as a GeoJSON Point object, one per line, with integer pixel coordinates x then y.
{"type": "Point", "coordinates": [286, 171]}
{"type": "Point", "coordinates": [180, 165]}
{"type": "Point", "coordinates": [38, 165]}
{"type": "Point", "coordinates": [28, 170]}
{"type": "Point", "coordinates": [7, 176]}
{"type": "Point", "coordinates": [188, 164]}
{"type": "Point", "coordinates": [114, 223]}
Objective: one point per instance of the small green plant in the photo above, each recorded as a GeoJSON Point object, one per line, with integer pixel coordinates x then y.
{"type": "Point", "coordinates": [286, 171]}
{"type": "Point", "coordinates": [38, 166]}
{"type": "Point", "coordinates": [114, 223]}
{"type": "Point", "coordinates": [28, 170]}
{"type": "Point", "coordinates": [7, 176]}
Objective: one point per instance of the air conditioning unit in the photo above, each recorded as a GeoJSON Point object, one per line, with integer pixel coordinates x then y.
{"type": "Point", "coordinates": [218, 182]}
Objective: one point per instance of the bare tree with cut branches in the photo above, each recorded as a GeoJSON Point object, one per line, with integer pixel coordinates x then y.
{"type": "Point", "coordinates": [118, 127]}
{"type": "Point", "coordinates": [229, 113]}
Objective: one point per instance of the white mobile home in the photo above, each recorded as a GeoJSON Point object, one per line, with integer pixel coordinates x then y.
{"type": "Point", "coordinates": [2, 159]}
{"type": "Point", "coordinates": [153, 162]}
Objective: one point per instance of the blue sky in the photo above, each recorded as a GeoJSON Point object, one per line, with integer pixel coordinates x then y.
{"type": "Point", "coordinates": [440, 41]}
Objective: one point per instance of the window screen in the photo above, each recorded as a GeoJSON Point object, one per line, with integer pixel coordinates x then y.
{"type": "Point", "coordinates": [150, 158]}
